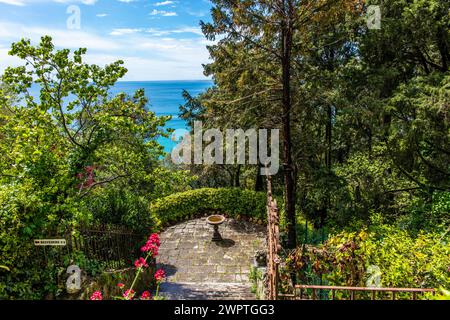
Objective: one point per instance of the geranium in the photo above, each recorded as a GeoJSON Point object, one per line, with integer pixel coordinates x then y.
{"type": "Point", "coordinates": [97, 295]}
{"type": "Point", "coordinates": [146, 296]}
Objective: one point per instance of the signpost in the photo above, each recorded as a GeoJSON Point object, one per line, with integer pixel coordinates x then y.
{"type": "Point", "coordinates": [50, 243]}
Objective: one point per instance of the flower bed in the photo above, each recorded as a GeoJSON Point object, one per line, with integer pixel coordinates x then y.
{"type": "Point", "coordinates": [139, 286]}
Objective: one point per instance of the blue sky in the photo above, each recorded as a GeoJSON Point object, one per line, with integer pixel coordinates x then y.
{"type": "Point", "coordinates": [157, 39]}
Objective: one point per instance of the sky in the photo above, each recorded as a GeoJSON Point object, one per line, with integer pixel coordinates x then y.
{"type": "Point", "coordinates": [157, 39]}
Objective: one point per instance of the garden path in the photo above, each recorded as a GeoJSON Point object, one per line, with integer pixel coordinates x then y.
{"type": "Point", "coordinates": [199, 269]}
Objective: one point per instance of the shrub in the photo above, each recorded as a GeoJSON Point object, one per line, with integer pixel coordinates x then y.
{"type": "Point", "coordinates": [403, 260]}
{"type": "Point", "coordinates": [120, 207]}
{"type": "Point", "coordinates": [22, 219]}
{"type": "Point", "coordinates": [237, 203]}
{"type": "Point", "coordinates": [407, 261]}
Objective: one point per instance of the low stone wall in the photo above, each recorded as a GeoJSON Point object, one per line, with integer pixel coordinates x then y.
{"type": "Point", "coordinates": [107, 282]}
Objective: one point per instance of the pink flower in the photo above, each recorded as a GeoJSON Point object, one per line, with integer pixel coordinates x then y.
{"type": "Point", "coordinates": [97, 295]}
{"type": "Point", "coordinates": [146, 296]}
{"type": "Point", "coordinates": [154, 239]}
{"type": "Point", "coordinates": [150, 247]}
{"type": "Point", "coordinates": [120, 285]}
{"type": "Point", "coordinates": [129, 294]}
{"type": "Point", "coordinates": [160, 275]}
{"type": "Point", "coordinates": [140, 263]}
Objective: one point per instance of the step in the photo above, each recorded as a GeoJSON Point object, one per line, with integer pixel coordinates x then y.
{"type": "Point", "coordinates": [206, 291]}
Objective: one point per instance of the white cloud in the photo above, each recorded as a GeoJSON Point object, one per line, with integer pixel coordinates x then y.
{"type": "Point", "coordinates": [13, 2]}
{"type": "Point", "coordinates": [26, 2]}
{"type": "Point", "coordinates": [147, 55]}
{"type": "Point", "coordinates": [124, 31]}
{"type": "Point", "coordinates": [164, 3]}
{"type": "Point", "coordinates": [163, 13]}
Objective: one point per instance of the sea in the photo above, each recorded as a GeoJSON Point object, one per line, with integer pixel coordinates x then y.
{"type": "Point", "coordinates": [165, 98]}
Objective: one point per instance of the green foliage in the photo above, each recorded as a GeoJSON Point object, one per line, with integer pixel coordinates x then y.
{"type": "Point", "coordinates": [22, 219]}
{"type": "Point", "coordinates": [234, 202]}
{"type": "Point", "coordinates": [255, 276]}
{"type": "Point", "coordinates": [120, 207]}
{"type": "Point", "coordinates": [404, 261]}
{"type": "Point", "coordinates": [74, 155]}
{"type": "Point", "coordinates": [442, 295]}
{"type": "Point", "coordinates": [428, 216]}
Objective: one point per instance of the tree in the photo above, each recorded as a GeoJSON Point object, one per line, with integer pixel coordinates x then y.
{"type": "Point", "coordinates": [70, 154]}
{"type": "Point", "coordinates": [272, 34]}
{"type": "Point", "coordinates": [116, 136]}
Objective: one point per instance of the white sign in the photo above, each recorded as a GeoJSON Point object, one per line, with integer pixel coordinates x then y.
{"type": "Point", "coordinates": [374, 277]}
{"type": "Point", "coordinates": [73, 283]}
{"type": "Point", "coordinates": [50, 243]}
{"type": "Point", "coordinates": [374, 17]}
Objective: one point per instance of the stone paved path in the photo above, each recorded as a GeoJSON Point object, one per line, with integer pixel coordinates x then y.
{"type": "Point", "coordinates": [199, 269]}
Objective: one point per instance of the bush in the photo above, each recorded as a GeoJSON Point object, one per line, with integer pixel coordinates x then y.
{"type": "Point", "coordinates": [404, 261]}
{"type": "Point", "coordinates": [236, 203]}
{"type": "Point", "coordinates": [120, 207]}
{"type": "Point", "coordinates": [22, 219]}
{"type": "Point", "coordinates": [407, 261]}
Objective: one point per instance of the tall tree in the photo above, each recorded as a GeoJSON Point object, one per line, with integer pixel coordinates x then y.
{"type": "Point", "coordinates": [276, 32]}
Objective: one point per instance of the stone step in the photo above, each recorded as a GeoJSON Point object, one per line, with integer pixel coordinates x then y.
{"type": "Point", "coordinates": [206, 291]}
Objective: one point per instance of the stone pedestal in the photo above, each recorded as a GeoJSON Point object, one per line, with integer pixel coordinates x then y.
{"type": "Point", "coordinates": [216, 235]}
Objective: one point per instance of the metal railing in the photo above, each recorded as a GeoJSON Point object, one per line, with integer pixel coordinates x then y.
{"type": "Point", "coordinates": [301, 292]}
{"type": "Point", "coordinates": [111, 247]}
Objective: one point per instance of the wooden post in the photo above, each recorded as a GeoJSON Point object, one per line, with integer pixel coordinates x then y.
{"type": "Point", "coordinates": [273, 243]}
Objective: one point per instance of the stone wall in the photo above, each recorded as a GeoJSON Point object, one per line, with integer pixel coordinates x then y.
{"type": "Point", "coordinates": [107, 282]}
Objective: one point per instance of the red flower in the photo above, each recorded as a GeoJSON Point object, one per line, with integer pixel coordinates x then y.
{"type": "Point", "coordinates": [140, 263]}
{"type": "Point", "coordinates": [154, 239]}
{"type": "Point", "coordinates": [150, 247]}
{"type": "Point", "coordinates": [160, 275]}
{"type": "Point", "coordinates": [97, 295]}
{"type": "Point", "coordinates": [120, 285]}
{"type": "Point", "coordinates": [146, 296]}
{"type": "Point", "coordinates": [129, 294]}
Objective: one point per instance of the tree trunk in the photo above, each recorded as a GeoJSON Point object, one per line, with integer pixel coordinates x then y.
{"type": "Point", "coordinates": [328, 163]}
{"type": "Point", "coordinates": [259, 183]}
{"type": "Point", "coordinates": [286, 119]}
{"type": "Point", "coordinates": [237, 177]}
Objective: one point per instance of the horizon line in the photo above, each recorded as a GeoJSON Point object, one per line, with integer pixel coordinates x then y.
{"type": "Point", "coordinates": [165, 80]}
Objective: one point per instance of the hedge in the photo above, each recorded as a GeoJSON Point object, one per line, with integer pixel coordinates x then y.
{"type": "Point", "coordinates": [233, 202]}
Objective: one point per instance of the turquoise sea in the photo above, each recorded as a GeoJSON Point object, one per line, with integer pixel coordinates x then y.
{"type": "Point", "coordinates": [165, 99]}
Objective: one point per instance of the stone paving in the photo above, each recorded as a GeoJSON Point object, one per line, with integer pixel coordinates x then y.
{"type": "Point", "coordinates": [199, 269]}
